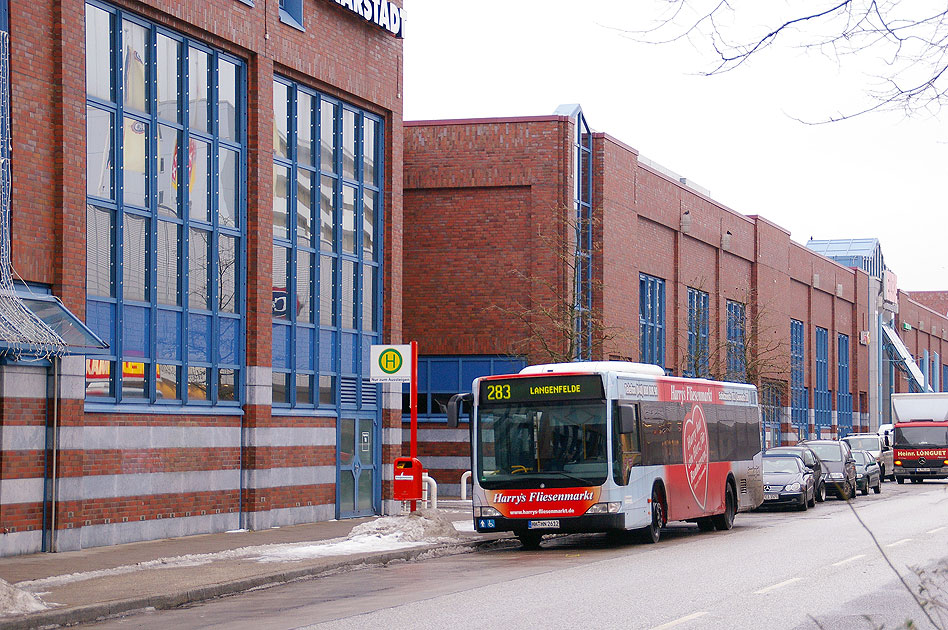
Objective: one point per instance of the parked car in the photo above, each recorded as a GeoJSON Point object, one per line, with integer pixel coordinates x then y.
{"type": "Point", "coordinates": [811, 461]}
{"type": "Point", "coordinates": [868, 473]}
{"type": "Point", "coordinates": [878, 446]}
{"type": "Point", "coordinates": [837, 457]}
{"type": "Point", "coordinates": [787, 481]}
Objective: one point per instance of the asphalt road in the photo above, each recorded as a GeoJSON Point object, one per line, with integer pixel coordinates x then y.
{"type": "Point", "coordinates": [774, 570]}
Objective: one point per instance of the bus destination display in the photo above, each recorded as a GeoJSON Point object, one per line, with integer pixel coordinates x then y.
{"type": "Point", "coordinates": [516, 390]}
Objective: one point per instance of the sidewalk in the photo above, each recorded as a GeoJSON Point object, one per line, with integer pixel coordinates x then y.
{"type": "Point", "coordinates": [81, 586]}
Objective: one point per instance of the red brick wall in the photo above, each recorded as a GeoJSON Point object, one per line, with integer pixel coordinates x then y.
{"type": "Point", "coordinates": [935, 300]}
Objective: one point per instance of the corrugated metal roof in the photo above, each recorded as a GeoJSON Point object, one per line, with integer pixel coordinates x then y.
{"type": "Point", "coordinates": [844, 247]}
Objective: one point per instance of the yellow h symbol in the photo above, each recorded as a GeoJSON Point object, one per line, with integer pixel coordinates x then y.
{"type": "Point", "coordinates": [390, 361]}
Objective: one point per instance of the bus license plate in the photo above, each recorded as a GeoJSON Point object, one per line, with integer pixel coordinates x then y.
{"type": "Point", "coordinates": [770, 496]}
{"type": "Point", "coordinates": [543, 524]}
{"type": "Point", "coordinates": [923, 470]}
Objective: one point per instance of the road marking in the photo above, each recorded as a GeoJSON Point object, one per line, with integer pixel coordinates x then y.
{"type": "Point", "coordinates": [773, 587]}
{"type": "Point", "coordinates": [848, 560]}
{"type": "Point", "coordinates": [678, 622]}
{"type": "Point", "coordinates": [935, 531]}
{"type": "Point", "coordinates": [899, 542]}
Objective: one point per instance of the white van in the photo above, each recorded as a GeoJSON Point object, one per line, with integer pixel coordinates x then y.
{"type": "Point", "coordinates": [880, 448]}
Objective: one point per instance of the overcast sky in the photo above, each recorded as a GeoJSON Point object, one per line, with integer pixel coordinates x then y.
{"type": "Point", "coordinates": [881, 175]}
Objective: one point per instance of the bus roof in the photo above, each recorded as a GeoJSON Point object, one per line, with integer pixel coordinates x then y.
{"type": "Point", "coordinates": [640, 369]}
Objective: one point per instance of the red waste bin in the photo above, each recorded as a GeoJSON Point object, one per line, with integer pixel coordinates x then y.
{"type": "Point", "coordinates": [408, 482]}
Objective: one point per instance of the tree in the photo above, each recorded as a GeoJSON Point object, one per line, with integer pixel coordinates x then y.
{"type": "Point", "coordinates": [903, 45]}
{"type": "Point", "coordinates": [552, 311]}
{"type": "Point", "coordinates": [755, 352]}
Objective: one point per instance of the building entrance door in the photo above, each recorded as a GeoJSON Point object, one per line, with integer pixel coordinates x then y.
{"type": "Point", "coordinates": [358, 486]}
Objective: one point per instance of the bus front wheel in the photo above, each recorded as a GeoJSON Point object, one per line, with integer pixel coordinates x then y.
{"type": "Point", "coordinates": [653, 531]}
{"type": "Point", "coordinates": [725, 521]}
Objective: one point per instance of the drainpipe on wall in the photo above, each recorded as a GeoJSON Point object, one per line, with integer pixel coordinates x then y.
{"type": "Point", "coordinates": [54, 481]}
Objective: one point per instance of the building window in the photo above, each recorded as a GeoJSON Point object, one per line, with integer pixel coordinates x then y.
{"type": "Point", "coordinates": [844, 397]}
{"type": "Point", "coordinates": [799, 394]}
{"type": "Point", "coordinates": [327, 248]}
{"type": "Point", "coordinates": [736, 351]}
{"type": "Point", "coordinates": [651, 320]}
{"type": "Point", "coordinates": [771, 412]}
{"type": "Point", "coordinates": [822, 399]}
{"type": "Point", "coordinates": [944, 378]}
{"type": "Point", "coordinates": [165, 179]}
{"type": "Point", "coordinates": [440, 377]}
{"type": "Point", "coordinates": [698, 338]}
{"type": "Point", "coordinates": [291, 13]}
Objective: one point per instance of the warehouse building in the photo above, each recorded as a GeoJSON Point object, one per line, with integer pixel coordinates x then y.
{"type": "Point", "coordinates": [535, 239]}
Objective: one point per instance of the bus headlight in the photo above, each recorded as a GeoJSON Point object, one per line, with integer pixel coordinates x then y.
{"type": "Point", "coordinates": [488, 511]}
{"type": "Point", "coordinates": [605, 508]}
{"type": "Point", "coordinates": [898, 462]}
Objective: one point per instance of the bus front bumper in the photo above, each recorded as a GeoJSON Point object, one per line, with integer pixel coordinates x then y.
{"type": "Point", "coordinates": [588, 523]}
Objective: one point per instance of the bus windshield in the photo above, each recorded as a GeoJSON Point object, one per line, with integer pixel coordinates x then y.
{"type": "Point", "coordinates": [561, 444]}
{"type": "Point", "coordinates": [908, 437]}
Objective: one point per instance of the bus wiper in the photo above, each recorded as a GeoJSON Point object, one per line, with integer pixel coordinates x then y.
{"type": "Point", "coordinates": [563, 473]}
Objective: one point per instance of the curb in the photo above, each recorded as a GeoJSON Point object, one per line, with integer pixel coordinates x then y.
{"type": "Point", "coordinates": [92, 612]}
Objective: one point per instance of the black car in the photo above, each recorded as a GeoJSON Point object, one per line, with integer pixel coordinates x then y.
{"type": "Point", "coordinates": [840, 467]}
{"type": "Point", "coordinates": [811, 461]}
{"type": "Point", "coordinates": [868, 472]}
{"type": "Point", "coordinates": [787, 481]}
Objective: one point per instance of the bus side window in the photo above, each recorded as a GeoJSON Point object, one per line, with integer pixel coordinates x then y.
{"type": "Point", "coordinates": [627, 450]}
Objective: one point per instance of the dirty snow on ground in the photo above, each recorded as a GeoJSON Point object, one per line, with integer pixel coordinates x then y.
{"type": "Point", "coordinates": [387, 533]}
{"type": "Point", "coordinates": [16, 601]}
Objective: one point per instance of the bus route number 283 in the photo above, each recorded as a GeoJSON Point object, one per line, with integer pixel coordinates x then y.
{"type": "Point", "coordinates": [498, 392]}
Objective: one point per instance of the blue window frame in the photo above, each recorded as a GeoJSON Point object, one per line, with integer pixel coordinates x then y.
{"type": "Point", "coordinates": [440, 377]}
{"type": "Point", "coordinates": [698, 338]}
{"type": "Point", "coordinates": [844, 397]}
{"type": "Point", "coordinates": [736, 353]}
{"type": "Point", "coordinates": [583, 290]}
{"type": "Point", "coordinates": [291, 13]}
{"type": "Point", "coordinates": [165, 214]}
{"type": "Point", "coordinates": [822, 399]}
{"type": "Point", "coordinates": [651, 320]}
{"type": "Point", "coordinates": [944, 378]}
{"type": "Point", "coordinates": [799, 394]}
{"type": "Point", "coordinates": [327, 249]}
{"type": "Point", "coordinates": [771, 412]}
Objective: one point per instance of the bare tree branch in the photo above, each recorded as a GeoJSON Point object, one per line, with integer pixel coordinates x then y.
{"type": "Point", "coordinates": [901, 47]}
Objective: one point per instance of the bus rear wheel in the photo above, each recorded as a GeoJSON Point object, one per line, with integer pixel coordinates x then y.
{"type": "Point", "coordinates": [651, 533]}
{"type": "Point", "coordinates": [725, 521]}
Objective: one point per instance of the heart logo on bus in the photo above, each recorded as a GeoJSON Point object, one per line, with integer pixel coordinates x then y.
{"type": "Point", "coordinates": [694, 440]}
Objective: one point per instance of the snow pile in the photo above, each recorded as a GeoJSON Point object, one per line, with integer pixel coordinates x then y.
{"type": "Point", "coordinates": [387, 533]}
{"type": "Point", "coordinates": [421, 525]}
{"type": "Point", "coordinates": [16, 601]}
{"type": "Point", "coordinates": [383, 534]}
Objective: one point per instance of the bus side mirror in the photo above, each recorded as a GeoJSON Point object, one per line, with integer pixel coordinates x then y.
{"type": "Point", "coordinates": [455, 408]}
{"type": "Point", "coordinates": [628, 419]}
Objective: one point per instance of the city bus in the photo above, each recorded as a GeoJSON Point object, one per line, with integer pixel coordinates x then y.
{"type": "Point", "coordinates": [606, 446]}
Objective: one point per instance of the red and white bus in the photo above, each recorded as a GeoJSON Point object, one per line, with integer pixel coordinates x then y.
{"type": "Point", "coordinates": [608, 446]}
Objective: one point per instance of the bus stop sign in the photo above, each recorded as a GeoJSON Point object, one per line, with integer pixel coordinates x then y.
{"type": "Point", "coordinates": [390, 364]}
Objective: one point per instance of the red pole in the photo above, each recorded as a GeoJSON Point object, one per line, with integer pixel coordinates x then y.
{"type": "Point", "coordinates": [414, 405]}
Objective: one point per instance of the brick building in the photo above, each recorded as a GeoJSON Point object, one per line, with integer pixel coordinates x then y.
{"type": "Point", "coordinates": [214, 188]}
{"type": "Point", "coordinates": [670, 276]}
